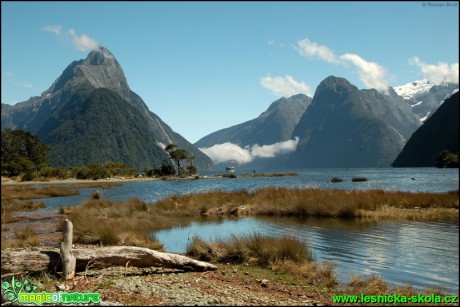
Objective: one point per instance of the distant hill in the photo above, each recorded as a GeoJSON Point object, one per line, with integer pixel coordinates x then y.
{"type": "Point", "coordinates": [46, 115]}
{"type": "Point", "coordinates": [274, 125]}
{"type": "Point", "coordinates": [438, 133]}
{"type": "Point", "coordinates": [347, 127]}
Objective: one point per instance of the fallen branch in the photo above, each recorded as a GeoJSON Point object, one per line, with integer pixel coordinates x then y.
{"type": "Point", "coordinates": [102, 257]}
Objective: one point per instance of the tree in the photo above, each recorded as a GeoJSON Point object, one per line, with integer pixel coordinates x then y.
{"type": "Point", "coordinates": [447, 159]}
{"type": "Point", "coordinates": [22, 153]}
{"type": "Point", "coordinates": [179, 157]}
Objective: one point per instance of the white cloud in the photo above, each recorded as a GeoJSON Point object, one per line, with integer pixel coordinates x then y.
{"type": "Point", "coordinates": [83, 42]}
{"type": "Point", "coordinates": [442, 72]}
{"type": "Point", "coordinates": [56, 29]}
{"type": "Point", "coordinates": [23, 85]}
{"type": "Point", "coordinates": [286, 86]}
{"type": "Point", "coordinates": [220, 153]}
{"type": "Point", "coordinates": [310, 50]}
{"type": "Point", "coordinates": [229, 152]}
{"type": "Point", "coordinates": [371, 74]}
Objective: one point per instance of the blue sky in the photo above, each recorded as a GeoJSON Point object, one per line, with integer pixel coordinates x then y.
{"type": "Point", "coordinates": [204, 66]}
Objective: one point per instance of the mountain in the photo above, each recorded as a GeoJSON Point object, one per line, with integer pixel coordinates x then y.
{"type": "Point", "coordinates": [274, 125]}
{"type": "Point", "coordinates": [42, 115]}
{"type": "Point", "coordinates": [425, 96]}
{"type": "Point", "coordinates": [438, 133]}
{"type": "Point", "coordinates": [347, 127]}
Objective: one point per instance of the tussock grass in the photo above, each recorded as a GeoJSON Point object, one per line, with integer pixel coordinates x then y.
{"type": "Point", "coordinates": [99, 221]}
{"type": "Point", "coordinates": [10, 205]}
{"type": "Point", "coordinates": [375, 285]}
{"type": "Point", "coordinates": [23, 237]}
{"type": "Point", "coordinates": [255, 249]}
{"type": "Point", "coordinates": [282, 254]}
{"type": "Point", "coordinates": [28, 192]}
{"type": "Point", "coordinates": [277, 201]}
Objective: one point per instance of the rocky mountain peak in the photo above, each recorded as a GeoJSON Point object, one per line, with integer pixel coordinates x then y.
{"type": "Point", "coordinates": [102, 69]}
{"type": "Point", "coordinates": [337, 84]}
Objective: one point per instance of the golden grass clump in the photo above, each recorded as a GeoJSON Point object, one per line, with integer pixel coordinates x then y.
{"type": "Point", "coordinates": [255, 249]}
{"type": "Point", "coordinates": [23, 237]}
{"type": "Point", "coordinates": [99, 221]}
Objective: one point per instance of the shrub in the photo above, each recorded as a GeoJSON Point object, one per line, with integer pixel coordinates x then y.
{"type": "Point", "coordinates": [358, 179]}
{"type": "Point", "coordinates": [335, 179]}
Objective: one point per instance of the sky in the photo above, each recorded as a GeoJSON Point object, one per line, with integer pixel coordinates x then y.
{"type": "Point", "coordinates": [205, 66]}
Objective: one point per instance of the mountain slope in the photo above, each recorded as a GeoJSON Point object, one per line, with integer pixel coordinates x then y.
{"type": "Point", "coordinates": [438, 133]}
{"type": "Point", "coordinates": [347, 127]}
{"type": "Point", "coordinates": [274, 125]}
{"type": "Point", "coordinates": [100, 69]}
{"type": "Point", "coordinates": [99, 128]}
{"type": "Point", "coordinates": [424, 96]}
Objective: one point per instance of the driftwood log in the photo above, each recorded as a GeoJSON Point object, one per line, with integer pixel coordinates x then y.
{"type": "Point", "coordinates": [95, 258]}
{"type": "Point", "coordinates": [70, 261]}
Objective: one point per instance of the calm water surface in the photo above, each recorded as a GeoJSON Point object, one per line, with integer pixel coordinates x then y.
{"type": "Point", "coordinates": [423, 253]}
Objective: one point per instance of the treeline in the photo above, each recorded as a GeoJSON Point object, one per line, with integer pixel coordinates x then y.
{"type": "Point", "coordinates": [23, 156]}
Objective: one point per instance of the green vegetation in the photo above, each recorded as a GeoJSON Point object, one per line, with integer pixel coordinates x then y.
{"type": "Point", "coordinates": [358, 179]}
{"type": "Point", "coordinates": [22, 153]}
{"type": "Point", "coordinates": [447, 159]}
{"type": "Point", "coordinates": [182, 164]}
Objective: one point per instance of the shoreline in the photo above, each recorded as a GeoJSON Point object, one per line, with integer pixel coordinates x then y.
{"type": "Point", "coordinates": [9, 181]}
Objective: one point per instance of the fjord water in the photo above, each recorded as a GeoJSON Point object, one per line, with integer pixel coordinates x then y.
{"type": "Point", "coordinates": [426, 254]}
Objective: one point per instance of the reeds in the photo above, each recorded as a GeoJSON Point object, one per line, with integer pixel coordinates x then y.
{"type": "Point", "coordinates": [23, 237]}
{"type": "Point", "coordinates": [101, 222]}
{"type": "Point", "coordinates": [276, 201]}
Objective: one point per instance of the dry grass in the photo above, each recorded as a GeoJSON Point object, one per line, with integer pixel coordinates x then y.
{"type": "Point", "coordinates": [286, 255]}
{"type": "Point", "coordinates": [99, 221]}
{"type": "Point", "coordinates": [23, 237]}
{"type": "Point", "coordinates": [254, 249]}
{"type": "Point", "coordinates": [28, 192]}
{"type": "Point", "coordinates": [375, 285]}
{"type": "Point", "coordinates": [277, 201]}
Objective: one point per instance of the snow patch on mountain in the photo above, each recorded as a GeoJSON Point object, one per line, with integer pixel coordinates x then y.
{"type": "Point", "coordinates": [411, 89]}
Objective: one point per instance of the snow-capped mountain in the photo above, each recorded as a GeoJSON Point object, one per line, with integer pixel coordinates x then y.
{"type": "Point", "coordinates": [425, 96]}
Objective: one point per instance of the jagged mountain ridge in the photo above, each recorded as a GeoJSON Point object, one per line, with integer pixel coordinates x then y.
{"type": "Point", "coordinates": [425, 96]}
{"type": "Point", "coordinates": [273, 125]}
{"type": "Point", "coordinates": [100, 69]}
{"type": "Point", "coordinates": [348, 127]}
{"type": "Point", "coordinates": [438, 133]}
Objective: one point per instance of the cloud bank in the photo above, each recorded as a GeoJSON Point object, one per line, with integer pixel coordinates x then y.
{"type": "Point", "coordinates": [229, 152]}
{"type": "Point", "coordinates": [82, 42]}
{"type": "Point", "coordinates": [372, 74]}
{"type": "Point", "coordinates": [442, 72]}
{"type": "Point", "coordinates": [285, 86]}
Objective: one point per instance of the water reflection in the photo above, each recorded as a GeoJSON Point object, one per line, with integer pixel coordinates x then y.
{"type": "Point", "coordinates": [419, 252]}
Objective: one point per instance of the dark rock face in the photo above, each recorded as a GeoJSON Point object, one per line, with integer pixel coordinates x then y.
{"type": "Point", "coordinates": [438, 133]}
{"type": "Point", "coordinates": [347, 127]}
{"type": "Point", "coordinates": [99, 70]}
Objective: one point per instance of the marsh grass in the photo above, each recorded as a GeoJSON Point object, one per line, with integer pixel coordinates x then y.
{"type": "Point", "coordinates": [277, 201]}
{"type": "Point", "coordinates": [11, 205]}
{"type": "Point", "coordinates": [375, 285]}
{"type": "Point", "coordinates": [28, 192]}
{"type": "Point", "coordinates": [23, 237]}
{"type": "Point", "coordinates": [282, 254]}
{"type": "Point", "coordinates": [101, 222]}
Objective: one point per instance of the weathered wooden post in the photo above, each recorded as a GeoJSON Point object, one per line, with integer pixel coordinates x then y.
{"type": "Point", "coordinates": [68, 259]}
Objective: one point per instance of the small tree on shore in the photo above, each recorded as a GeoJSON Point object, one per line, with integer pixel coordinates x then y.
{"type": "Point", "coordinates": [180, 157]}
